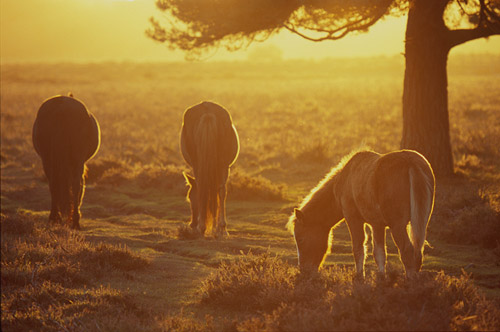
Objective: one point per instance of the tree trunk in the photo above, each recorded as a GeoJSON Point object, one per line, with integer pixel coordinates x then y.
{"type": "Point", "coordinates": [425, 94]}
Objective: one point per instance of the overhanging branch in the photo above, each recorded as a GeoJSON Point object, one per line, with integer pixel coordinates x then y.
{"type": "Point", "coordinates": [461, 36]}
{"type": "Point", "coordinates": [336, 33]}
{"type": "Point", "coordinates": [329, 36]}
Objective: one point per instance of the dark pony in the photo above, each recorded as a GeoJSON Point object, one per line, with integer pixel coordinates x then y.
{"type": "Point", "coordinates": [65, 136]}
{"type": "Point", "coordinates": [209, 144]}
{"type": "Point", "coordinates": [388, 190]}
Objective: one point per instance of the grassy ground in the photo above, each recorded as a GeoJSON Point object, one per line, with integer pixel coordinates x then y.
{"type": "Point", "coordinates": [129, 270]}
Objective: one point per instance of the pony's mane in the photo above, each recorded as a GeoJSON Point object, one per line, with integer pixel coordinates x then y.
{"type": "Point", "coordinates": [321, 185]}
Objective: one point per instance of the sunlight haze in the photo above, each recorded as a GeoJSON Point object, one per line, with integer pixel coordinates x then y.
{"type": "Point", "coordinates": [114, 30]}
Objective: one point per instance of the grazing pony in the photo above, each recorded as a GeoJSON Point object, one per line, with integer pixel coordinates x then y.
{"type": "Point", "coordinates": [383, 190]}
{"type": "Point", "coordinates": [65, 136]}
{"type": "Point", "coordinates": [209, 144]}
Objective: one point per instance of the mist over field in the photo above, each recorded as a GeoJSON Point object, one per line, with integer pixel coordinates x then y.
{"type": "Point", "coordinates": [130, 268]}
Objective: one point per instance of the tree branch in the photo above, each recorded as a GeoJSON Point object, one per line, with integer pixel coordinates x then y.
{"type": "Point", "coordinates": [461, 36]}
{"type": "Point", "coordinates": [337, 33]}
{"type": "Point", "coordinates": [329, 36]}
{"type": "Point", "coordinates": [200, 25]}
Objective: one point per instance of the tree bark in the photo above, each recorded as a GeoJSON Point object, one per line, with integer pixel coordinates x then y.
{"type": "Point", "coordinates": [425, 94]}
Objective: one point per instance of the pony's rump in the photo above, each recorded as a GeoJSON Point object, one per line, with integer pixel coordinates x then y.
{"type": "Point", "coordinates": [405, 177]}
{"type": "Point", "coordinates": [226, 136]}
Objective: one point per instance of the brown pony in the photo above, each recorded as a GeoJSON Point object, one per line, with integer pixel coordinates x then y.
{"type": "Point", "coordinates": [209, 144]}
{"type": "Point", "coordinates": [387, 190]}
{"type": "Point", "coordinates": [65, 136]}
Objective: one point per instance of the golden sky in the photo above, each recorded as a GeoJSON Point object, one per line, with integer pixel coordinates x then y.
{"type": "Point", "coordinates": [113, 30]}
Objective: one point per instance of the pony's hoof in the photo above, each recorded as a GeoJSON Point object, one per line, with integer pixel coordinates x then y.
{"type": "Point", "coordinates": [359, 278]}
{"type": "Point", "coordinates": [221, 233]}
{"type": "Point", "coordinates": [55, 220]}
{"type": "Point", "coordinates": [187, 233]}
{"type": "Point", "coordinates": [380, 277]}
{"type": "Point", "coordinates": [411, 275]}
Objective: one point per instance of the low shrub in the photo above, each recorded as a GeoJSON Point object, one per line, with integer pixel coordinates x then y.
{"type": "Point", "coordinates": [463, 214]}
{"type": "Point", "coordinates": [57, 254]}
{"type": "Point", "coordinates": [242, 186]}
{"type": "Point", "coordinates": [252, 282]}
{"type": "Point", "coordinates": [165, 178]}
{"type": "Point", "coordinates": [49, 306]}
{"type": "Point", "coordinates": [97, 168]}
{"type": "Point", "coordinates": [169, 178]}
{"type": "Point", "coordinates": [430, 302]}
{"type": "Point", "coordinates": [48, 274]}
{"type": "Point", "coordinates": [316, 153]}
{"type": "Point", "coordinates": [334, 300]}
{"type": "Point", "coordinates": [184, 323]}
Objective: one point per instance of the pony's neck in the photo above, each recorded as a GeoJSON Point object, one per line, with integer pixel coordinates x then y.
{"type": "Point", "coordinates": [323, 205]}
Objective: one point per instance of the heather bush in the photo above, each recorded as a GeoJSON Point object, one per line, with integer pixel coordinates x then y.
{"type": "Point", "coordinates": [242, 186]}
{"type": "Point", "coordinates": [48, 274]}
{"type": "Point", "coordinates": [184, 323]}
{"type": "Point", "coordinates": [48, 306]}
{"type": "Point", "coordinates": [164, 178]}
{"type": "Point", "coordinates": [334, 300]}
{"type": "Point", "coordinates": [58, 254]}
{"type": "Point", "coordinates": [252, 282]}
{"type": "Point", "coordinates": [316, 153]}
{"type": "Point", "coordinates": [169, 179]}
{"type": "Point", "coordinates": [430, 302]}
{"type": "Point", "coordinates": [464, 214]}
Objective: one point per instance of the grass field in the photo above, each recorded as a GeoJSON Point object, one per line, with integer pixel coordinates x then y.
{"type": "Point", "coordinates": [128, 269]}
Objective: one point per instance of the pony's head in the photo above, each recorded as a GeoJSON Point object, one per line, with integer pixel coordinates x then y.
{"type": "Point", "coordinates": [311, 239]}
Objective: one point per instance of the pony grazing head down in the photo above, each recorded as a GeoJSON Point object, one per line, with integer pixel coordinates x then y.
{"type": "Point", "coordinates": [311, 240]}
{"type": "Point", "coordinates": [311, 223]}
{"type": "Point", "coordinates": [382, 190]}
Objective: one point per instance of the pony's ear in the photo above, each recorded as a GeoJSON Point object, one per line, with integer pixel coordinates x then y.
{"type": "Point", "coordinates": [298, 215]}
{"type": "Point", "coordinates": [189, 179]}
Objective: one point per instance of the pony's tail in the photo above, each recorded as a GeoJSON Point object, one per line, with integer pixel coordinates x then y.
{"type": "Point", "coordinates": [207, 169]}
{"type": "Point", "coordinates": [422, 185]}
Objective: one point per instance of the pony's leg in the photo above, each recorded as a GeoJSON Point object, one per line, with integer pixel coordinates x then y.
{"type": "Point", "coordinates": [78, 188]}
{"type": "Point", "coordinates": [193, 199]}
{"type": "Point", "coordinates": [221, 223]}
{"type": "Point", "coordinates": [194, 217]}
{"type": "Point", "coordinates": [55, 215]}
{"type": "Point", "coordinates": [201, 219]}
{"type": "Point", "coordinates": [379, 250]}
{"type": "Point", "coordinates": [358, 239]}
{"type": "Point", "coordinates": [400, 236]}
